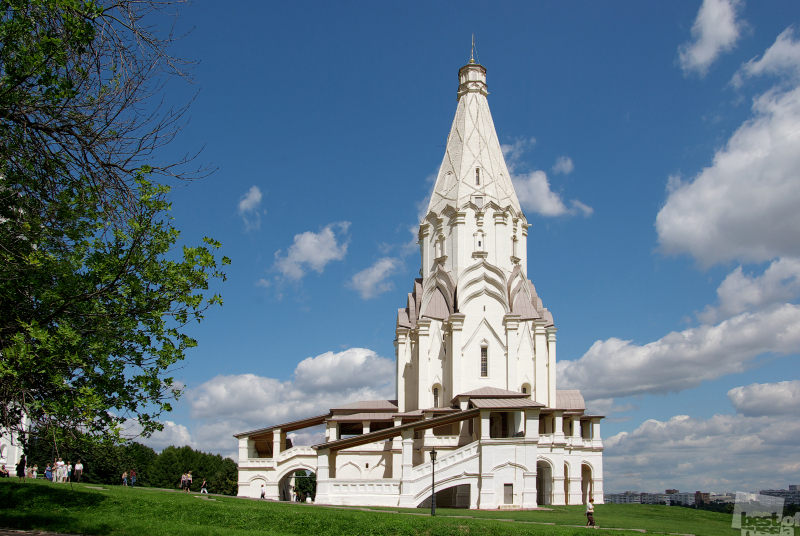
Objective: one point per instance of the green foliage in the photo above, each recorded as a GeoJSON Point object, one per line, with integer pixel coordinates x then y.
{"type": "Point", "coordinates": [306, 484]}
{"type": "Point", "coordinates": [104, 463]}
{"type": "Point", "coordinates": [94, 294]}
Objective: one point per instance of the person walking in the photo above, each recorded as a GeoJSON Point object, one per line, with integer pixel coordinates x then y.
{"type": "Point", "coordinates": [204, 487]}
{"type": "Point", "coordinates": [125, 478]}
{"type": "Point", "coordinates": [48, 473]}
{"type": "Point", "coordinates": [263, 492]}
{"type": "Point", "coordinates": [183, 482]}
{"type": "Point", "coordinates": [188, 481]}
{"type": "Point", "coordinates": [60, 470]}
{"type": "Point", "coordinates": [69, 472]}
{"type": "Point", "coordinates": [590, 514]}
{"type": "Point", "coordinates": [35, 472]}
{"type": "Point", "coordinates": [21, 469]}
{"type": "Point", "coordinates": [133, 477]}
{"type": "Point", "coordinates": [78, 471]}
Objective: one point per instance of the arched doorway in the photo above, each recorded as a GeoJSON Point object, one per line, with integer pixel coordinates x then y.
{"type": "Point", "coordinates": [544, 483]}
{"type": "Point", "coordinates": [587, 485]}
{"type": "Point", "coordinates": [297, 484]}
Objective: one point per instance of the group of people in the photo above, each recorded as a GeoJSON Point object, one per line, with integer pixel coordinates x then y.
{"type": "Point", "coordinates": [23, 470]}
{"type": "Point", "coordinates": [132, 476]}
{"type": "Point", "coordinates": [186, 483]}
{"type": "Point", "coordinates": [63, 472]}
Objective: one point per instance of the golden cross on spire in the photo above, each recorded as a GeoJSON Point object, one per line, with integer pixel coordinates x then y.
{"type": "Point", "coordinates": [472, 51]}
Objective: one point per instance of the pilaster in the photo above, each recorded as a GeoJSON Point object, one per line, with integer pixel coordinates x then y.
{"type": "Point", "coordinates": [541, 388]}
{"type": "Point", "coordinates": [323, 477]}
{"type": "Point", "coordinates": [406, 490]}
{"type": "Point", "coordinates": [456, 359]}
{"type": "Point", "coordinates": [244, 448]}
{"type": "Point", "coordinates": [402, 354]}
{"type": "Point", "coordinates": [423, 351]}
{"type": "Point", "coordinates": [277, 443]}
{"type": "Point", "coordinates": [551, 365]}
{"type": "Point", "coordinates": [558, 432]}
{"type": "Point", "coordinates": [597, 441]}
{"type": "Point", "coordinates": [511, 322]}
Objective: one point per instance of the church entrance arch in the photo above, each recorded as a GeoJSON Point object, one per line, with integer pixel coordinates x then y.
{"type": "Point", "coordinates": [587, 485]}
{"type": "Point", "coordinates": [296, 483]}
{"type": "Point", "coordinates": [544, 483]}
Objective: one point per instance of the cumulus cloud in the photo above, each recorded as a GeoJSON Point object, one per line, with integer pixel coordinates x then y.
{"type": "Point", "coordinates": [513, 152]}
{"type": "Point", "coordinates": [740, 292]}
{"type": "Point", "coordinates": [782, 59]}
{"type": "Point", "coordinates": [172, 434]}
{"type": "Point", "coordinates": [563, 165]}
{"type": "Point", "coordinates": [312, 250]}
{"type": "Point", "coordinates": [744, 206]}
{"type": "Point", "coordinates": [238, 403]}
{"type": "Point", "coordinates": [534, 194]}
{"type": "Point", "coordinates": [249, 208]}
{"type": "Point", "coordinates": [722, 453]}
{"type": "Point", "coordinates": [765, 399]}
{"type": "Point", "coordinates": [715, 31]}
{"type": "Point", "coordinates": [682, 360]}
{"type": "Point", "coordinates": [372, 281]}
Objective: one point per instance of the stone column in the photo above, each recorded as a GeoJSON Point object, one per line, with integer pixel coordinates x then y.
{"type": "Point", "coordinates": [244, 448]}
{"type": "Point", "coordinates": [511, 322]}
{"type": "Point", "coordinates": [397, 452]}
{"type": "Point", "coordinates": [365, 427]}
{"type": "Point", "coordinates": [484, 424]}
{"type": "Point", "coordinates": [532, 424]}
{"type": "Point", "coordinates": [456, 359]}
{"type": "Point", "coordinates": [551, 365]}
{"type": "Point", "coordinates": [323, 477]}
{"type": "Point", "coordinates": [402, 352]}
{"type": "Point", "coordinates": [331, 431]}
{"type": "Point", "coordinates": [423, 347]}
{"type": "Point", "coordinates": [577, 441]}
{"type": "Point", "coordinates": [277, 443]}
{"type": "Point", "coordinates": [558, 482]}
{"type": "Point", "coordinates": [597, 442]}
{"type": "Point", "coordinates": [406, 490]}
{"type": "Point", "coordinates": [540, 388]}
{"type": "Point", "coordinates": [558, 432]}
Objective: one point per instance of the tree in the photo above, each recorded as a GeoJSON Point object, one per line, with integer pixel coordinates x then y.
{"type": "Point", "coordinates": [306, 484]}
{"type": "Point", "coordinates": [94, 297]}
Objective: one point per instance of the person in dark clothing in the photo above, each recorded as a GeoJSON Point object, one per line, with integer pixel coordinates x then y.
{"type": "Point", "coordinates": [21, 469]}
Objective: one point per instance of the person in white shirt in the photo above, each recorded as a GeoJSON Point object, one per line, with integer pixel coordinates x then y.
{"type": "Point", "coordinates": [60, 470]}
{"type": "Point", "coordinates": [590, 514]}
{"type": "Point", "coordinates": [78, 471]}
{"type": "Point", "coordinates": [263, 491]}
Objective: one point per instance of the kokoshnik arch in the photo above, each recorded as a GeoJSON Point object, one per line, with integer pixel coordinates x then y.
{"type": "Point", "coordinates": [476, 366]}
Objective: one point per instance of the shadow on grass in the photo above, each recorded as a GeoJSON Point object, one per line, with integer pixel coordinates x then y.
{"type": "Point", "coordinates": [26, 506]}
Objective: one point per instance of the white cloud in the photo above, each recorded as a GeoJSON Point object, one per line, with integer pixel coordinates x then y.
{"type": "Point", "coordinates": [682, 360]}
{"type": "Point", "coordinates": [372, 281]}
{"type": "Point", "coordinates": [765, 399]}
{"type": "Point", "coordinates": [263, 283]}
{"type": "Point", "coordinates": [715, 30]}
{"type": "Point", "coordinates": [238, 403]}
{"type": "Point", "coordinates": [513, 152]}
{"type": "Point", "coordinates": [172, 434]}
{"type": "Point", "coordinates": [740, 292]}
{"type": "Point", "coordinates": [782, 58]}
{"type": "Point", "coordinates": [312, 250]}
{"type": "Point", "coordinates": [563, 165]}
{"type": "Point", "coordinates": [534, 194]}
{"type": "Point", "coordinates": [249, 206]}
{"type": "Point", "coordinates": [744, 206]}
{"type": "Point", "coordinates": [720, 454]}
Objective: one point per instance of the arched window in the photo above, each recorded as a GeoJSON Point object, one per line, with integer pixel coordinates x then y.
{"type": "Point", "coordinates": [435, 397]}
{"type": "Point", "coordinates": [524, 390]}
{"type": "Point", "coordinates": [484, 362]}
{"type": "Point", "coordinates": [477, 176]}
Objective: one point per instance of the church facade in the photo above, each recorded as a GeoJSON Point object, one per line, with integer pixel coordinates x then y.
{"type": "Point", "coordinates": [476, 366]}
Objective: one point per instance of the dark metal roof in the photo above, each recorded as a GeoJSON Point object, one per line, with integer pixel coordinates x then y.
{"type": "Point", "coordinates": [289, 426]}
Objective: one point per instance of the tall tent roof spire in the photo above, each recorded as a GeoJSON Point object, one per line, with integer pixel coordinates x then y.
{"type": "Point", "coordinates": [473, 169]}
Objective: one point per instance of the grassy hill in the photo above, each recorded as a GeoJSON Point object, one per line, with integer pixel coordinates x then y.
{"type": "Point", "coordinates": [54, 507]}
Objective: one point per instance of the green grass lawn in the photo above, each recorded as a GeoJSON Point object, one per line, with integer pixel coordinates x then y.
{"type": "Point", "coordinates": [54, 507]}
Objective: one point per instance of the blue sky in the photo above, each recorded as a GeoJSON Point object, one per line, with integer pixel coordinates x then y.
{"type": "Point", "coordinates": [657, 149]}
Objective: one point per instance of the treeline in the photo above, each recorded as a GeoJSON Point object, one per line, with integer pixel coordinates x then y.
{"type": "Point", "coordinates": [105, 463]}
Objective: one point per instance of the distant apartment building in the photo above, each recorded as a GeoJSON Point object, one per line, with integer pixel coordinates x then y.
{"type": "Point", "coordinates": [790, 496]}
{"type": "Point", "coordinates": [700, 497]}
{"type": "Point", "coordinates": [628, 497]}
{"type": "Point", "coordinates": [655, 498]}
{"type": "Point", "coordinates": [723, 498]}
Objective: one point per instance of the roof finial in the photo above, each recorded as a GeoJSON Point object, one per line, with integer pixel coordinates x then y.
{"type": "Point", "coordinates": [472, 51]}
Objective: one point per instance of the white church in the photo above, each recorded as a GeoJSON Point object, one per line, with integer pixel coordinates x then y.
{"type": "Point", "coordinates": [476, 367]}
